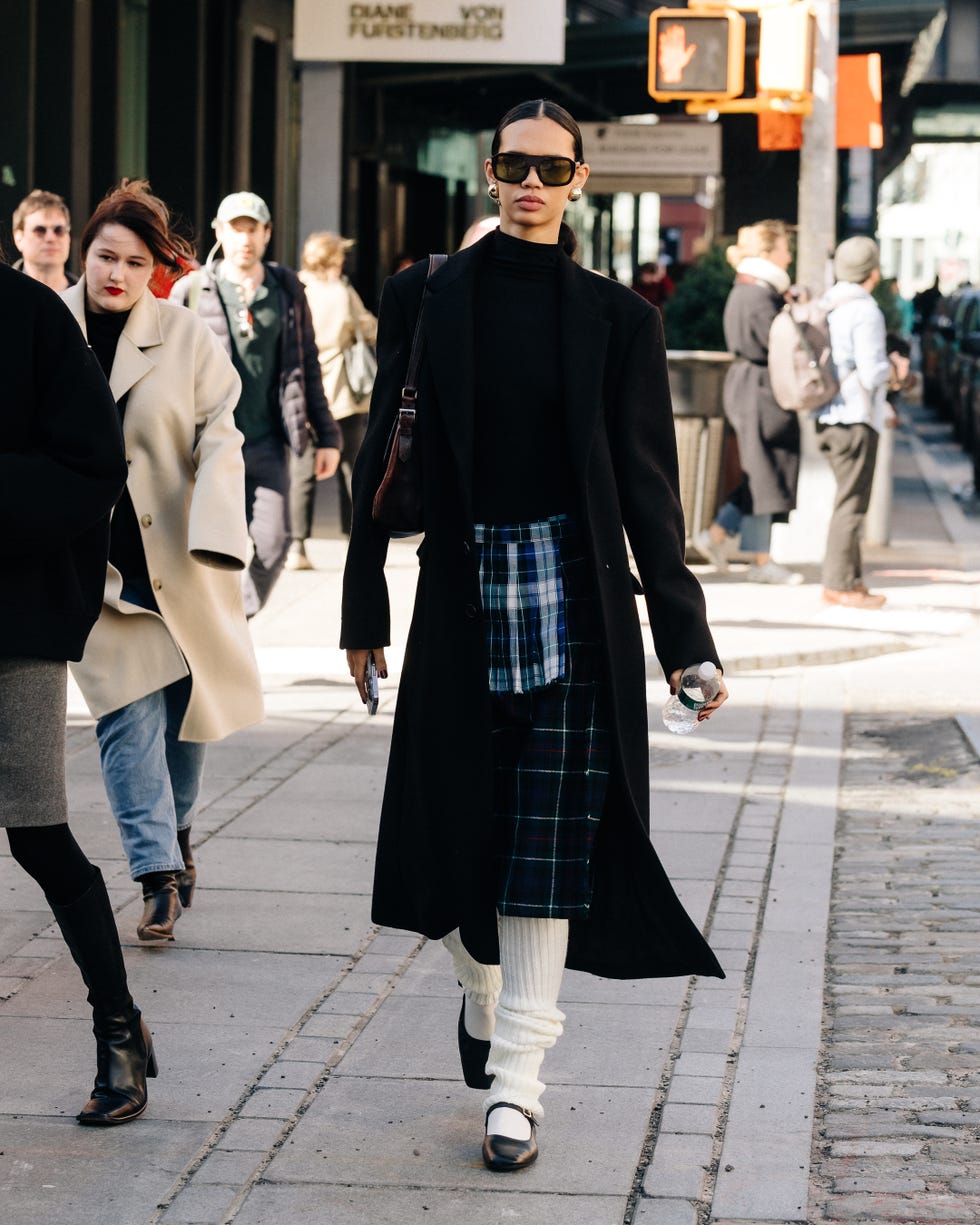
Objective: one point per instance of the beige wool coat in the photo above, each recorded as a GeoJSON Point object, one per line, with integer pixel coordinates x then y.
{"type": "Point", "coordinates": [187, 484]}
{"type": "Point", "coordinates": [337, 308]}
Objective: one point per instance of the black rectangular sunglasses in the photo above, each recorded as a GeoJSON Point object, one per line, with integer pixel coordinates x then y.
{"type": "Point", "coordinates": [552, 171]}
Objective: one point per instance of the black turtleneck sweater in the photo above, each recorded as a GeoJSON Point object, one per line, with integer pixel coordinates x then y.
{"type": "Point", "coordinates": [521, 470]}
{"type": "Point", "coordinates": [125, 538]}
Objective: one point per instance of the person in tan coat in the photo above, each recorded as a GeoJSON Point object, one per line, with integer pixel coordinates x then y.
{"type": "Point", "coordinates": [338, 315]}
{"type": "Point", "coordinates": [169, 664]}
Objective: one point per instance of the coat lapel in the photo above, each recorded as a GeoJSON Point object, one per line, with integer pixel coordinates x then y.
{"type": "Point", "coordinates": [584, 338]}
{"type": "Point", "coordinates": [142, 331]}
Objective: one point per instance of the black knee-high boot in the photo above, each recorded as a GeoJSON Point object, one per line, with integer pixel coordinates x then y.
{"type": "Point", "coordinates": [124, 1049]}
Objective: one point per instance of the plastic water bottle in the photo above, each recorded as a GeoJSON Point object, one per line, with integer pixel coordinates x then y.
{"type": "Point", "coordinates": [698, 686]}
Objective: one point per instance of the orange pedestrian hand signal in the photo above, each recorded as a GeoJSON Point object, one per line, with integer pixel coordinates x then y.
{"type": "Point", "coordinates": [696, 54]}
{"type": "Point", "coordinates": [674, 54]}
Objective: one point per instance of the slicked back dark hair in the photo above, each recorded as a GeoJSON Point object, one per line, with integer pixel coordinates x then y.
{"type": "Point", "coordinates": [540, 108]}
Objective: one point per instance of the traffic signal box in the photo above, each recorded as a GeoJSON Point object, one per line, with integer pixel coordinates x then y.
{"type": "Point", "coordinates": [695, 55]}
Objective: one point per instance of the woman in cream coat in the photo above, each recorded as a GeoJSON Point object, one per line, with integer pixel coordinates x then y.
{"type": "Point", "coordinates": [338, 314]}
{"type": "Point", "coordinates": [169, 664]}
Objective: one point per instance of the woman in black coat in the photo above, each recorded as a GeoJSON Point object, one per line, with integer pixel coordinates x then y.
{"type": "Point", "coordinates": [768, 436]}
{"type": "Point", "coordinates": [545, 428]}
{"type": "Point", "coordinates": [62, 467]}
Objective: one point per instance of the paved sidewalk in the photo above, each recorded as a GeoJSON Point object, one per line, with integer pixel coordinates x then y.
{"type": "Point", "coordinates": [308, 1061]}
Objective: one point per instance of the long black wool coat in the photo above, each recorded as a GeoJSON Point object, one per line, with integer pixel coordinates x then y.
{"type": "Point", "coordinates": [62, 467]}
{"type": "Point", "coordinates": [434, 869]}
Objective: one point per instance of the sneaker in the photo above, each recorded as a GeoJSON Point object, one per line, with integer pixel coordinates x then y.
{"type": "Point", "coordinates": [715, 551]}
{"type": "Point", "coordinates": [296, 558]}
{"type": "Point", "coordinates": [858, 597]}
{"type": "Point", "coordinates": [773, 572]}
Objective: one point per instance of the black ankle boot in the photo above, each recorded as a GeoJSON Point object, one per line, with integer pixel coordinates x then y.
{"type": "Point", "coordinates": [124, 1050]}
{"type": "Point", "coordinates": [161, 906]}
{"type": "Point", "coordinates": [186, 880]}
{"type": "Point", "coordinates": [124, 1059]}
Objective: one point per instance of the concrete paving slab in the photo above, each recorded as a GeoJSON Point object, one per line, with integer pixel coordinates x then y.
{"type": "Point", "coordinates": [413, 1038]}
{"type": "Point", "coordinates": [691, 855]}
{"type": "Point", "coordinates": [340, 801]}
{"type": "Point", "coordinates": [261, 865]}
{"type": "Point", "coordinates": [786, 1007]}
{"type": "Point", "coordinates": [679, 1166]}
{"type": "Point", "coordinates": [765, 1159]}
{"type": "Point", "coordinates": [202, 1067]}
{"type": "Point", "coordinates": [226, 920]}
{"type": "Point", "coordinates": [379, 1132]}
{"type": "Point", "coordinates": [396, 1206]}
{"type": "Point", "coordinates": [661, 1211]}
{"type": "Point", "coordinates": [182, 986]}
{"type": "Point", "coordinates": [58, 1173]}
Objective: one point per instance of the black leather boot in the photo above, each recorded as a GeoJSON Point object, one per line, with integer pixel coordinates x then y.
{"type": "Point", "coordinates": [124, 1049]}
{"type": "Point", "coordinates": [161, 906]}
{"type": "Point", "coordinates": [186, 880]}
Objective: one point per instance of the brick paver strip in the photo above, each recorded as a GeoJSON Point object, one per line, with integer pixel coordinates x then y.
{"type": "Point", "coordinates": [899, 1101]}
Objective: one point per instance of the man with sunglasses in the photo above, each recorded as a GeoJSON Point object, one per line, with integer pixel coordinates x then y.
{"type": "Point", "coordinates": [42, 235]}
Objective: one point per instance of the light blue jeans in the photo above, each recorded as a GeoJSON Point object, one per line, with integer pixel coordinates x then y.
{"type": "Point", "coordinates": [755, 530]}
{"type": "Point", "coordinates": [152, 779]}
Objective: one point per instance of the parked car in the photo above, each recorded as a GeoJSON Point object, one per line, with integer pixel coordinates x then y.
{"type": "Point", "coordinates": [961, 365]}
{"type": "Point", "coordinates": [934, 335]}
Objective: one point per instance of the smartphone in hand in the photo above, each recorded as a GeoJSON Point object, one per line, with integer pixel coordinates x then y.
{"type": "Point", "coordinates": [371, 685]}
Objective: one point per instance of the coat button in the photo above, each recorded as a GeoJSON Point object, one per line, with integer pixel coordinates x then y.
{"type": "Point", "coordinates": [470, 611]}
{"type": "Point", "coordinates": [158, 584]}
{"type": "Point", "coordinates": [146, 520]}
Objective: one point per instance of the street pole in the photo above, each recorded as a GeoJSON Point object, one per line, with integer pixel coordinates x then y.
{"type": "Point", "coordinates": [818, 158]}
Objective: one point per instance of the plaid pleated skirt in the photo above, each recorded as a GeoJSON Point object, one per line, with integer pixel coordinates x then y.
{"type": "Point", "coordinates": [551, 754]}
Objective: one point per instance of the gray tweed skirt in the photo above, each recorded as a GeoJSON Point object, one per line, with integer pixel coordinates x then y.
{"type": "Point", "coordinates": [33, 696]}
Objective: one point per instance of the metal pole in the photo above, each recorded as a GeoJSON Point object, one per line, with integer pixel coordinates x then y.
{"type": "Point", "coordinates": [818, 158]}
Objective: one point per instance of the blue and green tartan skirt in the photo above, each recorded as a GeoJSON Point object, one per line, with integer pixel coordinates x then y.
{"type": "Point", "coordinates": [550, 743]}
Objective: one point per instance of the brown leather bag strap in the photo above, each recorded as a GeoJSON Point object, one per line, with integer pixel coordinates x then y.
{"type": "Point", "coordinates": [410, 391]}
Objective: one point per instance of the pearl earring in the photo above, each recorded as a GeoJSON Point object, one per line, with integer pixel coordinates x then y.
{"type": "Point", "coordinates": [493, 193]}
{"type": "Point", "coordinates": [575, 194]}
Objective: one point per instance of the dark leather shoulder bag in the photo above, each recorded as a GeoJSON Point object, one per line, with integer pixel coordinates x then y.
{"type": "Point", "coordinates": [397, 503]}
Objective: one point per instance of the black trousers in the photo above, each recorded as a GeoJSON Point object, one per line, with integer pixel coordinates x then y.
{"type": "Point", "coordinates": [851, 450]}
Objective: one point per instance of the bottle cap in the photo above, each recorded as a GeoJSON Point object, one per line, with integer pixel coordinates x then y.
{"type": "Point", "coordinates": [707, 671]}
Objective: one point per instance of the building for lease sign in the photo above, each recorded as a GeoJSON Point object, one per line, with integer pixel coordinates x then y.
{"type": "Point", "coordinates": [432, 31]}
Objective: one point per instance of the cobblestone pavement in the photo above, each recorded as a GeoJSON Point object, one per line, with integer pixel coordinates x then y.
{"type": "Point", "coordinates": [898, 1128]}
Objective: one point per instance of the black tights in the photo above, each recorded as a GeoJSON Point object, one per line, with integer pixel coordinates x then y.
{"type": "Point", "coordinates": [50, 854]}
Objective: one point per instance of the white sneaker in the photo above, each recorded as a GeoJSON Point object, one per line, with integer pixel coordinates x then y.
{"type": "Point", "coordinates": [296, 558]}
{"type": "Point", "coordinates": [773, 572]}
{"type": "Point", "coordinates": [715, 551]}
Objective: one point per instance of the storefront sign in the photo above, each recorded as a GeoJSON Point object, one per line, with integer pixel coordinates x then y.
{"type": "Point", "coordinates": [652, 148]}
{"type": "Point", "coordinates": [431, 31]}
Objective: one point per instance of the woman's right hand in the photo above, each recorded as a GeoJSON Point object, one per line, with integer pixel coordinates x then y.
{"type": "Point", "coordinates": [357, 662]}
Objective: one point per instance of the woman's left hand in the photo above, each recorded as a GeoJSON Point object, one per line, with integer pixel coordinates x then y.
{"type": "Point", "coordinates": [705, 713]}
{"type": "Point", "coordinates": [326, 461]}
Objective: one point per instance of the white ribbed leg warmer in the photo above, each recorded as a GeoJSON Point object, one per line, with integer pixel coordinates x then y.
{"type": "Point", "coordinates": [481, 986]}
{"type": "Point", "coordinates": [532, 961]}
